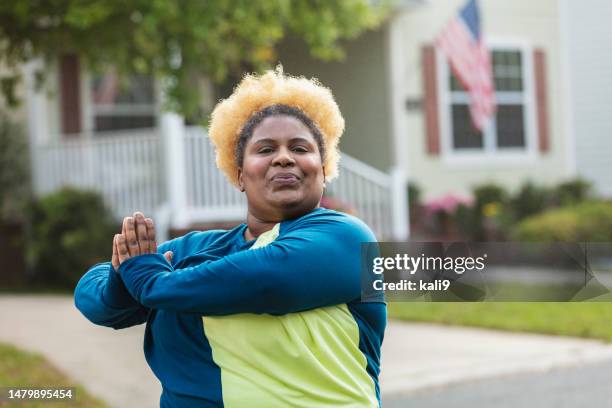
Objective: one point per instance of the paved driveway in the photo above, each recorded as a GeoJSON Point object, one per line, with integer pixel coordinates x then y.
{"type": "Point", "coordinates": [416, 357]}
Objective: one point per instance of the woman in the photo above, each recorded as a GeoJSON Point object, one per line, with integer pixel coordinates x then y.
{"type": "Point", "coordinates": [267, 314]}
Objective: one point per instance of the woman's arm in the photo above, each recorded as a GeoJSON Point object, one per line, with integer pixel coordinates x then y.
{"type": "Point", "coordinates": [315, 265]}
{"type": "Point", "coordinates": [101, 295]}
{"type": "Point", "coordinates": [102, 298]}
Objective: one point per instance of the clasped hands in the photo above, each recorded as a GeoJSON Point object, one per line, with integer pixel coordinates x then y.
{"type": "Point", "coordinates": [137, 238]}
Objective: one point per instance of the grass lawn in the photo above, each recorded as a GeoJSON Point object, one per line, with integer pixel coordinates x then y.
{"type": "Point", "coordinates": [579, 319]}
{"type": "Point", "coordinates": [20, 368]}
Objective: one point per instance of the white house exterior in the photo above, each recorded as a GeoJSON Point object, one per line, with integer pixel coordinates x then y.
{"type": "Point", "coordinates": [586, 35]}
{"type": "Point", "coordinates": [404, 114]}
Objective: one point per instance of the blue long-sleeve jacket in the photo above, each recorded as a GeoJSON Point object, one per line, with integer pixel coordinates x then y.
{"type": "Point", "coordinates": [229, 324]}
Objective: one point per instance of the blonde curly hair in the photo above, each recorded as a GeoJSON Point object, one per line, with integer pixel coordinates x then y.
{"type": "Point", "coordinates": [255, 93]}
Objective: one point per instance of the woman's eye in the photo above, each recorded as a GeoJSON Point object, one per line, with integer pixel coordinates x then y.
{"type": "Point", "coordinates": [264, 150]}
{"type": "Point", "coordinates": [300, 149]}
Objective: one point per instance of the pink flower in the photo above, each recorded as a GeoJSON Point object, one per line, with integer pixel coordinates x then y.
{"type": "Point", "coordinates": [447, 204]}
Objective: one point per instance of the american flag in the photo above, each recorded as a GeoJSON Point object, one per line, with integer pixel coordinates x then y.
{"type": "Point", "coordinates": [462, 43]}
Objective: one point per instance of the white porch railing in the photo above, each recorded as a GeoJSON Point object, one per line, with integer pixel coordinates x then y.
{"type": "Point", "coordinates": [125, 167]}
{"type": "Point", "coordinates": [369, 191]}
{"type": "Point", "coordinates": [130, 169]}
{"type": "Point", "coordinates": [209, 196]}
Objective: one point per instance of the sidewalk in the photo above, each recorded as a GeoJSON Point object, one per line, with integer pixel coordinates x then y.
{"type": "Point", "coordinates": [111, 363]}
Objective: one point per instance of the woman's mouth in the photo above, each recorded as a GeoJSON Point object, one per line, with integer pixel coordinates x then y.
{"type": "Point", "coordinates": [285, 179]}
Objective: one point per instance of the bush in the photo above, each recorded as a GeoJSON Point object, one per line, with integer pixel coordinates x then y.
{"type": "Point", "coordinates": [414, 194]}
{"type": "Point", "coordinates": [589, 221]}
{"type": "Point", "coordinates": [573, 192]}
{"type": "Point", "coordinates": [486, 220]}
{"type": "Point", "coordinates": [71, 230]}
{"type": "Point", "coordinates": [465, 219]}
{"type": "Point", "coordinates": [494, 213]}
{"type": "Point", "coordinates": [444, 214]}
{"type": "Point", "coordinates": [530, 200]}
{"type": "Point", "coordinates": [489, 193]}
{"type": "Point", "coordinates": [14, 170]}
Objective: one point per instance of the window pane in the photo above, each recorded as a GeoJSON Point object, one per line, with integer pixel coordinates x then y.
{"type": "Point", "coordinates": [515, 84]}
{"type": "Point", "coordinates": [500, 83]}
{"type": "Point", "coordinates": [507, 68]}
{"type": "Point", "coordinates": [514, 58]}
{"type": "Point", "coordinates": [109, 89]}
{"type": "Point", "coordinates": [122, 103]}
{"type": "Point", "coordinates": [464, 135]}
{"type": "Point", "coordinates": [510, 126]}
{"type": "Point", "coordinates": [109, 122]}
{"type": "Point", "coordinates": [497, 57]}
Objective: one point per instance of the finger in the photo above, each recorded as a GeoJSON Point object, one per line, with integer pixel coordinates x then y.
{"type": "Point", "coordinates": [124, 225]}
{"type": "Point", "coordinates": [168, 255]}
{"type": "Point", "coordinates": [141, 232]}
{"type": "Point", "coordinates": [115, 258]}
{"type": "Point", "coordinates": [122, 249]}
{"type": "Point", "coordinates": [130, 237]}
{"type": "Point", "coordinates": [151, 235]}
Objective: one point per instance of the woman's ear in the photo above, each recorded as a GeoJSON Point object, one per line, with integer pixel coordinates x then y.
{"type": "Point", "coordinates": [240, 182]}
{"type": "Point", "coordinates": [324, 177]}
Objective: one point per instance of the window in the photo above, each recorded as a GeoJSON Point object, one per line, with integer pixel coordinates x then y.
{"type": "Point", "coordinates": [508, 132]}
{"type": "Point", "coordinates": [118, 104]}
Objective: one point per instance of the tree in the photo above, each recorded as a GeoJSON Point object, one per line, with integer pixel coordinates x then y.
{"type": "Point", "coordinates": [178, 40]}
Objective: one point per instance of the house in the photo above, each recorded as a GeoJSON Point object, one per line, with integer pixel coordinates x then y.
{"type": "Point", "coordinates": [406, 119]}
{"type": "Point", "coordinates": [89, 131]}
{"type": "Point", "coordinates": [405, 110]}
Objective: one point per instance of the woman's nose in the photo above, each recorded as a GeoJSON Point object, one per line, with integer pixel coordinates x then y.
{"type": "Point", "coordinates": [283, 158]}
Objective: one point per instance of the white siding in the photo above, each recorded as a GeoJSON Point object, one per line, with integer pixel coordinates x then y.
{"type": "Point", "coordinates": [588, 32]}
{"type": "Point", "coordinates": [533, 24]}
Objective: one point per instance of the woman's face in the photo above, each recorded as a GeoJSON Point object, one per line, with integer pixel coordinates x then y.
{"type": "Point", "coordinates": [282, 174]}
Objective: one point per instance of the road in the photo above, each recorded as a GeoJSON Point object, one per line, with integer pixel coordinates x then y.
{"type": "Point", "coordinates": [423, 365]}
{"type": "Point", "coordinates": [586, 386]}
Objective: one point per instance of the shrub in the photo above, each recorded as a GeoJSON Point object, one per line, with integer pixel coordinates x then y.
{"type": "Point", "coordinates": [573, 192]}
{"type": "Point", "coordinates": [530, 200]}
{"type": "Point", "coordinates": [414, 194]}
{"type": "Point", "coordinates": [489, 193]}
{"type": "Point", "coordinates": [446, 214]}
{"type": "Point", "coordinates": [464, 219]}
{"type": "Point", "coordinates": [14, 169]}
{"type": "Point", "coordinates": [588, 221]}
{"type": "Point", "coordinates": [487, 219]}
{"type": "Point", "coordinates": [71, 230]}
